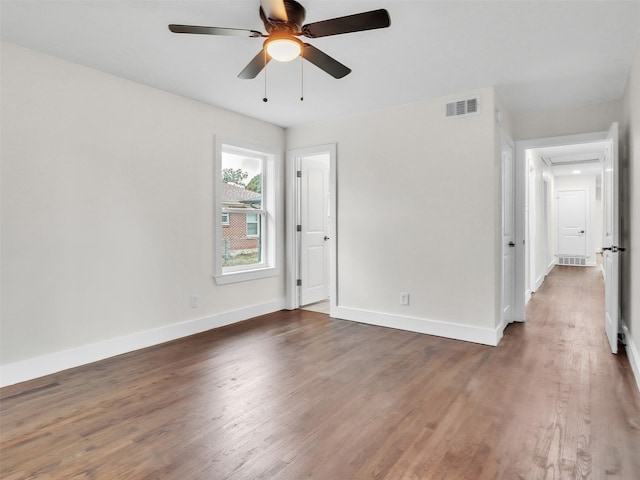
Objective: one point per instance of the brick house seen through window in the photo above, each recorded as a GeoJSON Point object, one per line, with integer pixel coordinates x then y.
{"type": "Point", "coordinates": [241, 232]}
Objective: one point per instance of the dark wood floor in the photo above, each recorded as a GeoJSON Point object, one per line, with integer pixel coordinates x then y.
{"type": "Point", "coordinates": [296, 395]}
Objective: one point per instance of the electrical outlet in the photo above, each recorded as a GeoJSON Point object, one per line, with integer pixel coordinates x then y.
{"type": "Point", "coordinates": [194, 301]}
{"type": "Point", "coordinates": [404, 298]}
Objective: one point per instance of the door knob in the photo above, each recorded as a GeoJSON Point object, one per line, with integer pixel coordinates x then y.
{"type": "Point", "coordinates": [512, 244]}
{"type": "Point", "coordinates": [326, 238]}
{"type": "Point", "coordinates": [581, 231]}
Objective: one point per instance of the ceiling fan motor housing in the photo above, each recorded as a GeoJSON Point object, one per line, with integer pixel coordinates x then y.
{"type": "Point", "coordinates": [296, 15]}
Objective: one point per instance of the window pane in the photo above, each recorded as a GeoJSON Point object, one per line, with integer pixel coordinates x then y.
{"type": "Point", "coordinates": [242, 240]}
{"type": "Point", "coordinates": [241, 181]}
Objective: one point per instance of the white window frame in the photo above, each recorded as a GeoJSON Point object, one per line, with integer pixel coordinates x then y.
{"type": "Point", "coordinates": [267, 267]}
{"type": "Point", "coordinates": [222, 220]}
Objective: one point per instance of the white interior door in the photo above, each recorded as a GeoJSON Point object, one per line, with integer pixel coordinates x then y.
{"type": "Point", "coordinates": [611, 249]}
{"type": "Point", "coordinates": [314, 228]}
{"type": "Point", "coordinates": [572, 223]}
{"type": "Point", "coordinates": [508, 235]}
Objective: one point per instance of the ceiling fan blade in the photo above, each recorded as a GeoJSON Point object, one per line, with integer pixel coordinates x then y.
{"type": "Point", "coordinates": [255, 66]}
{"type": "Point", "coordinates": [275, 10]}
{"type": "Point", "coordinates": [237, 32]}
{"type": "Point", "coordinates": [351, 23]}
{"type": "Point", "coordinates": [324, 61]}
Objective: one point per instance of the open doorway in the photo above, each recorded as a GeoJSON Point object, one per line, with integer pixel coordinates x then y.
{"type": "Point", "coordinates": [536, 214]}
{"type": "Point", "coordinates": [567, 213]}
{"type": "Point", "coordinates": [564, 208]}
{"type": "Point", "coordinates": [311, 225]}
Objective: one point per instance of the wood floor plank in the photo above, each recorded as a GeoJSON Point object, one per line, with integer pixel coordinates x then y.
{"type": "Point", "coordinates": [297, 395]}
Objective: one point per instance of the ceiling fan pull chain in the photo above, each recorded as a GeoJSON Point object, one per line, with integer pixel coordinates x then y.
{"type": "Point", "coordinates": [265, 99]}
{"type": "Point", "coordinates": [301, 78]}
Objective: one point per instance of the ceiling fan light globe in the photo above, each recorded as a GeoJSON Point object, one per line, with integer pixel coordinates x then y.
{"type": "Point", "coordinates": [284, 49]}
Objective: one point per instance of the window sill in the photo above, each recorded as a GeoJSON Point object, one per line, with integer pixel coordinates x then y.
{"type": "Point", "coordinates": [246, 275]}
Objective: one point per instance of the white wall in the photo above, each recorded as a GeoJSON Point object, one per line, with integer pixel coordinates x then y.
{"type": "Point", "coordinates": [504, 116]}
{"type": "Point", "coordinates": [588, 183]}
{"type": "Point", "coordinates": [107, 208]}
{"type": "Point", "coordinates": [596, 117]}
{"type": "Point", "coordinates": [630, 231]}
{"type": "Point", "coordinates": [418, 212]}
{"type": "Point", "coordinates": [598, 226]}
{"type": "Point", "coordinates": [540, 254]}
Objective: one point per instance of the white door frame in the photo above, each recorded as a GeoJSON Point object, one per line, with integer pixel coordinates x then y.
{"type": "Point", "coordinates": [292, 214]}
{"type": "Point", "coordinates": [522, 176]}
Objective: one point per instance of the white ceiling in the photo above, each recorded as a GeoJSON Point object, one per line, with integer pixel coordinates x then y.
{"type": "Point", "coordinates": [539, 54]}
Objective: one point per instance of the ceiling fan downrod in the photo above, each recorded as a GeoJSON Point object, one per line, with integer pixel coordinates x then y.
{"type": "Point", "coordinates": [265, 99]}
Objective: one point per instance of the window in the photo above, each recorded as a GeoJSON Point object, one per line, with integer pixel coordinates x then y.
{"type": "Point", "coordinates": [245, 247]}
{"type": "Point", "coordinates": [253, 225]}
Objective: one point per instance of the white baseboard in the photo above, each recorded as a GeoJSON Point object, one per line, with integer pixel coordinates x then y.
{"type": "Point", "coordinates": [539, 282]}
{"type": "Point", "coordinates": [55, 362]}
{"type": "Point", "coordinates": [632, 354]}
{"type": "Point", "coordinates": [485, 336]}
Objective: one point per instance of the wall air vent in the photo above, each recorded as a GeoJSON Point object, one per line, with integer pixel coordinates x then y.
{"type": "Point", "coordinates": [574, 261]}
{"type": "Point", "coordinates": [462, 107]}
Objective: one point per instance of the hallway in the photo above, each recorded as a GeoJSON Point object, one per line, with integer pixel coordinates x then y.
{"type": "Point", "coordinates": [581, 392]}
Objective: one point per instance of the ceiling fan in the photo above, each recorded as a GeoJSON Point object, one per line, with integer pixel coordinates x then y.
{"type": "Point", "coordinates": [283, 20]}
